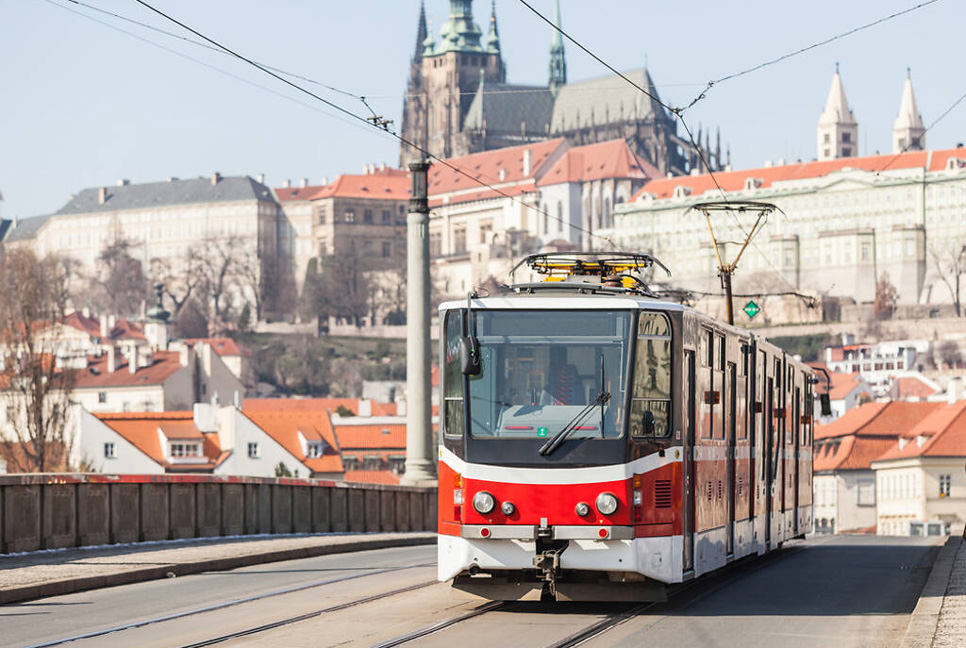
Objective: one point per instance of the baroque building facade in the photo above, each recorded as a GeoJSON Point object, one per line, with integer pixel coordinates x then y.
{"type": "Point", "coordinates": [458, 102]}
{"type": "Point", "coordinates": [845, 221]}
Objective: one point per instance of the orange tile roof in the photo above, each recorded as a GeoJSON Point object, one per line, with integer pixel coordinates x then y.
{"type": "Point", "coordinates": [849, 453]}
{"type": "Point", "coordinates": [486, 168]}
{"type": "Point", "coordinates": [124, 329]}
{"type": "Point", "coordinates": [876, 419]}
{"type": "Point", "coordinates": [164, 364]}
{"type": "Point", "coordinates": [285, 427]}
{"type": "Point", "coordinates": [287, 194]}
{"type": "Point", "coordinates": [610, 159]}
{"type": "Point", "coordinates": [372, 437]}
{"type": "Point", "coordinates": [223, 346]}
{"type": "Point", "coordinates": [386, 477]}
{"type": "Point", "coordinates": [906, 387]}
{"type": "Point", "coordinates": [89, 325]}
{"type": "Point", "coordinates": [315, 405]}
{"type": "Point", "coordinates": [735, 180]}
{"type": "Point", "coordinates": [141, 430]}
{"type": "Point", "coordinates": [943, 434]}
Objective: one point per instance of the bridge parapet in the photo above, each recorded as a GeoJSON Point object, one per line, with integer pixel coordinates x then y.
{"type": "Point", "coordinates": [51, 511]}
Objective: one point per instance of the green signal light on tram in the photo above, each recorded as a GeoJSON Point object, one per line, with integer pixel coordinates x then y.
{"type": "Point", "coordinates": [542, 432]}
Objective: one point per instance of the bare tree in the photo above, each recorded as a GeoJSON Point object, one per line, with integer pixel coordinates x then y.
{"type": "Point", "coordinates": [951, 266]}
{"type": "Point", "coordinates": [33, 303]}
{"type": "Point", "coordinates": [886, 297]}
{"type": "Point", "coordinates": [119, 284]}
{"type": "Point", "coordinates": [181, 276]}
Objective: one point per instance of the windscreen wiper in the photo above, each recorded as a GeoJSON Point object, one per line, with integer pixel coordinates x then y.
{"type": "Point", "coordinates": [547, 448]}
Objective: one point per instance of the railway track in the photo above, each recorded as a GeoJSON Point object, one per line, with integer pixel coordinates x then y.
{"type": "Point", "coordinates": [252, 599]}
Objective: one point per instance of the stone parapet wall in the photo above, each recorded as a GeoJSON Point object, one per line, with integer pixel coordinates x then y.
{"type": "Point", "coordinates": [51, 511]}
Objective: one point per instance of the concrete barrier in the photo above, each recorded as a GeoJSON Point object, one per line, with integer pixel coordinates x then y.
{"type": "Point", "coordinates": [50, 511]}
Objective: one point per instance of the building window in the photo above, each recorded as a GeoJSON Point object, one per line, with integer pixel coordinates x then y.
{"type": "Point", "coordinates": [367, 216]}
{"type": "Point", "coordinates": [350, 216]}
{"type": "Point", "coordinates": [101, 397]}
{"type": "Point", "coordinates": [435, 244]}
{"type": "Point", "coordinates": [945, 485]}
{"type": "Point", "coordinates": [846, 151]}
{"type": "Point", "coordinates": [865, 251]}
{"type": "Point", "coordinates": [321, 217]}
{"type": "Point", "coordinates": [314, 449]}
{"type": "Point", "coordinates": [185, 449]}
{"type": "Point", "coordinates": [560, 218]}
{"type": "Point", "coordinates": [109, 452]}
{"type": "Point", "coordinates": [459, 240]}
{"type": "Point", "coordinates": [486, 229]}
{"type": "Point", "coordinates": [386, 249]}
{"type": "Point", "coordinates": [865, 492]}
{"type": "Point", "coordinates": [386, 217]}
{"type": "Point", "coordinates": [847, 138]}
{"type": "Point", "coordinates": [253, 452]}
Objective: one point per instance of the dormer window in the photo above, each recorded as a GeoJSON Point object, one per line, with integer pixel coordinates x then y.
{"type": "Point", "coordinates": [314, 449]}
{"type": "Point", "coordinates": [183, 449]}
{"type": "Point", "coordinates": [681, 191]}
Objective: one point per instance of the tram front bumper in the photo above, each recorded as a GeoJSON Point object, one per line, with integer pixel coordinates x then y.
{"type": "Point", "coordinates": [505, 550]}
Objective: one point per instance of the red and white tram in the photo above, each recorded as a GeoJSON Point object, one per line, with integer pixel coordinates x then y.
{"type": "Point", "coordinates": [597, 443]}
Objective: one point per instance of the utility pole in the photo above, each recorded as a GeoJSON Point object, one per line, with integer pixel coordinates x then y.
{"type": "Point", "coordinates": [420, 470]}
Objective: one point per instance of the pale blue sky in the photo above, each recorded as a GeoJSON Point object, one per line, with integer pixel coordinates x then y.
{"type": "Point", "coordinates": [84, 105]}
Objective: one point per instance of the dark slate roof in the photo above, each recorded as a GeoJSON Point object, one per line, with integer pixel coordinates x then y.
{"type": "Point", "coordinates": [25, 229]}
{"type": "Point", "coordinates": [174, 192]}
{"type": "Point", "coordinates": [503, 107]}
{"type": "Point", "coordinates": [604, 100]}
{"type": "Point", "coordinates": [4, 226]}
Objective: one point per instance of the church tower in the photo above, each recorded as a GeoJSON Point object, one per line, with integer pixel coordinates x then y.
{"type": "Point", "coordinates": [908, 133]}
{"type": "Point", "coordinates": [558, 63]}
{"type": "Point", "coordinates": [444, 76]}
{"type": "Point", "coordinates": [838, 132]}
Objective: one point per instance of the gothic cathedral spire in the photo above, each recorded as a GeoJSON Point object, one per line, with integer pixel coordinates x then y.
{"type": "Point", "coordinates": [908, 133]}
{"type": "Point", "coordinates": [838, 132]}
{"type": "Point", "coordinates": [558, 63]}
{"type": "Point", "coordinates": [493, 40]}
{"type": "Point", "coordinates": [421, 31]}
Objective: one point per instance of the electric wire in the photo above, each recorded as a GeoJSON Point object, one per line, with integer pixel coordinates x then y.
{"type": "Point", "coordinates": [805, 49]}
{"type": "Point", "coordinates": [205, 64]}
{"type": "Point", "coordinates": [382, 125]}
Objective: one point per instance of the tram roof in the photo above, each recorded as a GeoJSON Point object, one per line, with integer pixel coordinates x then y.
{"type": "Point", "coordinates": [564, 299]}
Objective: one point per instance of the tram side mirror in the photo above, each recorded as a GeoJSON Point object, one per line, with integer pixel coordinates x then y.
{"type": "Point", "coordinates": [825, 404]}
{"type": "Point", "coordinates": [470, 361]}
{"type": "Point", "coordinates": [647, 424]}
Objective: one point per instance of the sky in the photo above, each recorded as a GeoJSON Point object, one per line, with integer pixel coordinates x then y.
{"type": "Point", "coordinates": [84, 105]}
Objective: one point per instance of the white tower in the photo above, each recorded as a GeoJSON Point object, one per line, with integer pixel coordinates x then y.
{"type": "Point", "coordinates": [908, 133]}
{"type": "Point", "coordinates": [838, 132]}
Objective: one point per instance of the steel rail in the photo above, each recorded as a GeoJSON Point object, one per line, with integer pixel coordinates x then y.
{"type": "Point", "coordinates": [235, 602]}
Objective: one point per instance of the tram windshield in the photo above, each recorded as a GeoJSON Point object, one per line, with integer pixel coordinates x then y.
{"type": "Point", "coordinates": [546, 371]}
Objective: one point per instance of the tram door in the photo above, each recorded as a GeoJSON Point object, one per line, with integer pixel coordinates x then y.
{"type": "Point", "coordinates": [769, 458]}
{"type": "Point", "coordinates": [797, 449]}
{"type": "Point", "coordinates": [688, 408]}
{"type": "Point", "coordinates": [731, 430]}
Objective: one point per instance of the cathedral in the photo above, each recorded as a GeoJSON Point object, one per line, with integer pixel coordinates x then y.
{"type": "Point", "coordinates": [458, 102]}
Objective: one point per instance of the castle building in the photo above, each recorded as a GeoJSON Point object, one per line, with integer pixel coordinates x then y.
{"type": "Point", "coordinates": [458, 102]}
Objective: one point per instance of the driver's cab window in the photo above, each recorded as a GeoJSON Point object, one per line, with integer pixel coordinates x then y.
{"type": "Point", "coordinates": [650, 415]}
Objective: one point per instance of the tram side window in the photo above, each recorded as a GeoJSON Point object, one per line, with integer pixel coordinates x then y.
{"type": "Point", "coordinates": [651, 395]}
{"type": "Point", "coordinates": [453, 376]}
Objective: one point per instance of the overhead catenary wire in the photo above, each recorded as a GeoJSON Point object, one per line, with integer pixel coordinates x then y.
{"type": "Point", "coordinates": [384, 126]}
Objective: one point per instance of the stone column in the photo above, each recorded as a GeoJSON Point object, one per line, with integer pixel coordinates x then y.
{"type": "Point", "coordinates": [419, 426]}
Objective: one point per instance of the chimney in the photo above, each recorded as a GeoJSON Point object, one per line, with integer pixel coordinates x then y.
{"type": "Point", "coordinates": [502, 175]}
{"type": "Point", "coordinates": [102, 195]}
{"type": "Point", "coordinates": [526, 163]}
{"type": "Point", "coordinates": [104, 330]}
{"type": "Point", "coordinates": [303, 183]}
{"type": "Point", "coordinates": [954, 389]}
{"type": "Point", "coordinates": [325, 181]}
{"type": "Point", "coordinates": [261, 178]}
{"type": "Point", "coordinates": [133, 360]}
{"type": "Point", "coordinates": [365, 407]}
{"type": "Point", "coordinates": [123, 182]}
{"type": "Point", "coordinates": [215, 178]}
{"type": "Point", "coordinates": [184, 356]}
{"type": "Point", "coordinates": [205, 417]}
{"type": "Point", "coordinates": [286, 184]}
{"type": "Point", "coordinates": [172, 179]}
{"type": "Point", "coordinates": [111, 359]}
{"type": "Point", "coordinates": [111, 323]}
{"type": "Point", "coordinates": [86, 312]}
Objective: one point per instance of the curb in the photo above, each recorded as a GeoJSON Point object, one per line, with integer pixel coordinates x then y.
{"type": "Point", "coordinates": [922, 624]}
{"type": "Point", "coordinates": [84, 583]}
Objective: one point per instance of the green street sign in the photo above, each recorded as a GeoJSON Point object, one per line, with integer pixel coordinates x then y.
{"type": "Point", "coordinates": [751, 309]}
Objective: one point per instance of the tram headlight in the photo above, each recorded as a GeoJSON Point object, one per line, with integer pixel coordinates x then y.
{"type": "Point", "coordinates": [606, 504]}
{"type": "Point", "coordinates": [484, 503]}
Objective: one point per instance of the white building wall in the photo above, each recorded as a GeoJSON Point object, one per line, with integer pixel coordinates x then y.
{"type": "Point", "coordinates": [236, 432]}
{"type": "Point", "coordinates": [127, 460]}
{"type": "Point", "coordinates": [122, 399]}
